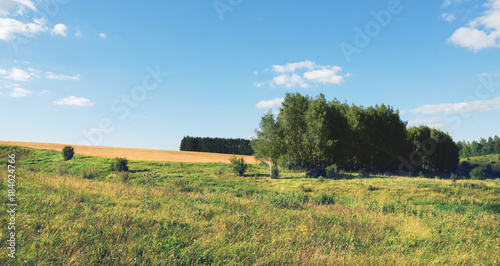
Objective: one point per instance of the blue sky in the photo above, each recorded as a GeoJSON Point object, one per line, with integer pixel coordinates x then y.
{"type": "Point", "coordinates": [146, 73]}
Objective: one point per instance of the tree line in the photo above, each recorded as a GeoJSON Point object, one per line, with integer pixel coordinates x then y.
{"type": "Point", "coordinates": [313, 133]}
{"type": "Point", "coordinates": [479, 148]}
{"type": "Point", "coordinates": [216, 145]}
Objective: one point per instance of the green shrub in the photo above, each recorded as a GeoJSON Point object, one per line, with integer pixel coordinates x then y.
{"type": "Point", "coordinates": [91, 173]}
{"type": "Point", "coordinates": [362, 173]}
{"type": "Point", "coordinates": [464, 168]}
{"type": "Point", "coordinates": [275, 173]}
{"type": "Point", "coordinates": [332, 171]}
{"type": "Point", "coordinates": [123, 176]}
{"type": "Point", "coordinates": [119, 165]}
{"type": "Point", "coordinates": [284, 201]}
{"type": "Point", "coordinates": [477, 173]}
{"type": "Point", "coordinates": [316, 172]}
{"type": "Point", "coordinates": [324, 198]}
{"type": "Point", "coordinates": [372, 188]}
{"type": "Point", "coordinates": [238, 165]}
{"type": "Point", "coordinates": [68, 152]}
{"type": "Point", "coordinates": [305, 189]}
{"type": "Point", "coordinates": [453, 177]}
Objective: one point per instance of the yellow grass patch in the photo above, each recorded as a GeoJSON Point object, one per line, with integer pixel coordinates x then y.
{"type": "Point", "coordinates": [137, 154]}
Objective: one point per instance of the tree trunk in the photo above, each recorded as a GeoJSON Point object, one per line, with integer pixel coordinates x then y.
{"type": "Point", "coordinates": [271, 168]}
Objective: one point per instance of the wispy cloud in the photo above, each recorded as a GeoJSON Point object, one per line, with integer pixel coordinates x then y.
{"type": "Point", "coordinates": [102, 35]}
{"type": "Point", "coordinates": [455, 108]}
{"type": "Point", "coordinates": [75, 101]}
{"type": "Point", "coordinates": [448, 17]}
{"type": "Point", "coordinates": [425, 121]}
{"type": "Point", "coordinates": [19, 92]}
{"type": "Point", "coordinates": [303, 74]}
{"type": "Point", "coordinates": [50, 75]}
{"type": "Point", "coordinates": [18, 74]}
{"type": "Point", "coordinates": [270, 103]}
{"type": "Point", "coordinates": [16, 7]}
{"type": "Point", "coordinates": [292, 67]}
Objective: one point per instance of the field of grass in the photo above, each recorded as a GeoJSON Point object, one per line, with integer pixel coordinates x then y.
{"type": "Point", "coordinates": [491, 159]}
{"type": "Point", "coordinates": [79, 213]}
{"type": "Point", "coordinates": [136, 154]}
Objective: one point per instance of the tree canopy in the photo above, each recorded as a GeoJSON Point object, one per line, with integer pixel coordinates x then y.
{"type": "Point", "coordinates": [313, 133]}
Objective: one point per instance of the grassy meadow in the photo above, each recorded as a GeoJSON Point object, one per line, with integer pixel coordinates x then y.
{"type": "Point", "coordinates": [485, 161]}
{"type": "Point", "coordinates": [78, 212]}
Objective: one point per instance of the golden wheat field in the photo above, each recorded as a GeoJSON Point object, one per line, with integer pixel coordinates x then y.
{"type": "Point", "coordinates": [137, 154]}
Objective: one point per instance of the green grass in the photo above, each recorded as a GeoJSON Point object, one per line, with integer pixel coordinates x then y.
{"type": "Point", "coordinates": [78, 212]}
{"type": "Point", "coordinates": [483, 161]}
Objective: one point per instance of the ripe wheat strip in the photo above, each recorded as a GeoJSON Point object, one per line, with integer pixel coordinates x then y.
{"type": "Point", "coordinates": [136, 154]}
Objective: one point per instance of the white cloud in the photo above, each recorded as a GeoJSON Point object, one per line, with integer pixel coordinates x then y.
{"type": "Point", "coordinates": [425, 121]}
{"type": "Point", "coordinates": [75, 101]}
{"type": "Point", "coordinates": [325, 75]}
{"type": "Point", "coordinates": [292, 67]}
{"type": "Point", "coordinates": [482, 32]}
{"type": "Point", "coordinates": [438, 126]}
{"type": "Point", "coordinates": [59, 29]}
{"type": "Point", "coordinates": [270, 104]}
{"type": "Point", "coordinates": [311, 73]}
{"type": "Point", "coordinates": [258, 84]}
{"type": "Point", "coordinates": [50, 75]}
{"type": "Point", "coordinates": [102, 35]}
{"type": "Point", "coordinates": [289, 81]}
{"type": "Point", "coordinates": [43, 92]}
{"type": "Point", "coordinates": [455, 108]}
{"type": "Point", "coordinates": [256, 73]}
{"type": "Point", "coordinates": [18, 92]}
{"type": "Point", "coordinates": [473, 38]}
{"type": "Point", "coordinates": [446, 3]}
{"type": "Point", "coordinates": [448, 17]}
{"type": "Point", "coordinates": [6, 6]}
{"type": "Point", "coordinates": [10, 27]}
{"type": "Point", "coordinates": [16, 74]}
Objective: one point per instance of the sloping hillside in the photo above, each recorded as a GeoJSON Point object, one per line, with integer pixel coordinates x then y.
{"type": "Point", "coordinates": [137, 154]}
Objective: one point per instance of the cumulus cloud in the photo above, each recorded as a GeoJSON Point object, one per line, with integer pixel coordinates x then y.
{"type": "Point", "coordinates": [50, 75]}
{"type": "Point", "coordinates": [455, 108]}
{"type": "Point", "coordinates": [16, 74]}
{"type": "Point", "coordinates": [289, 81]}
{"type": "Point", "coordinates": [304, 75]}
{"type": "Point", "coordinates": [75, 101]}
{"type": "Point", "coordinates": [9, 28]}
{"type": "Point", "coordinates": [482, 32]}
{"type": "Point", "coordinates": [270, 103]}
{"type": "Point", "coordinates": [327, 75]}
{"type": "Point", "coordinates": [18, 92]}
{"type": "Point", "coordinates": [59, 29]}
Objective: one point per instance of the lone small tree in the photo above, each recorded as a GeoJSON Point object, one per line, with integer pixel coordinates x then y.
{"type": "Point", "coordinates": [239, 166]}
{"type": "Point", "coordinates": [267, 144]}
{"type": "Point", "coordinates": [119, 165]}
{"type": "Point", "coordinates": [68, 152]}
